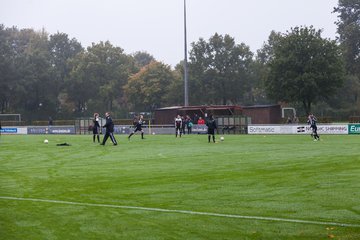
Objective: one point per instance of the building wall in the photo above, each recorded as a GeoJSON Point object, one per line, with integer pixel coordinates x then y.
{"type": "Point", "coordinates": [263, 114]}
{"type": "Point", "coordinates": [165, 116]}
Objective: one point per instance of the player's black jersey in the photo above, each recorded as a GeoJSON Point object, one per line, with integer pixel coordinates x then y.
{"type": "Point", "coordinates": [109, 125]}
{"type": "Point", "coordinates": [211, 124]}
{"type": "Point", "coordinates": [96, 122]}
{"type": "Point", "coordinates": [312, 121]}
{"type": "Point", "coordinates": [139, 123]}
{"type": "Point", "coordinates": [96, 126]}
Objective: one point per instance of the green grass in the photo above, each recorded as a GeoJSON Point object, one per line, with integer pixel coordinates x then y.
{"type": "Point", "coordinates": [286, 177]}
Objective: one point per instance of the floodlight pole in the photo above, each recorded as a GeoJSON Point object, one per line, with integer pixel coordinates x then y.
{"type": "Point", "coordinates": [186, 87]}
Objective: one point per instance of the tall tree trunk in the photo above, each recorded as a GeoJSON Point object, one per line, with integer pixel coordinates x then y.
{"type": "Point", "coordinates": [307, 107]}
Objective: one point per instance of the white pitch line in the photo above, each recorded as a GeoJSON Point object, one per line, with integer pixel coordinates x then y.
{"type": "Point", "coordinates": [185, 212]}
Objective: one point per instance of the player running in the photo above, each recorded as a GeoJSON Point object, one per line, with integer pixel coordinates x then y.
{"type": "Point", "coordinates": [138, 126]}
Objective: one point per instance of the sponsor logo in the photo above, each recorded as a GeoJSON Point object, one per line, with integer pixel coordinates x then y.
{"type": "Point", "coordinates": [300, 129]}
{"type": "Point", "coordinates": [8, 130]}
{"type": "Point", "coordinates": [354, 128]}
{"type": "Point", "coordinates": [51, 130]}
{"type": "Point", "coordinates": [60, 131]}
{"type": "Point", "coordinates": [261, 129]}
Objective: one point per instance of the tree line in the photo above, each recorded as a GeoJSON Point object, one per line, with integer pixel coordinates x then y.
{"type": "Point", "coordinates": [45, 74]}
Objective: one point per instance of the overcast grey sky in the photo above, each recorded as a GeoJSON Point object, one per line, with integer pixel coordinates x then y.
{"type": "Point", "coordinates": [156, 26]}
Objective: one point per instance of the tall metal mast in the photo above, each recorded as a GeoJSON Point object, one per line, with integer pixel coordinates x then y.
{"type": "Point", "coordinates": [186, 87]}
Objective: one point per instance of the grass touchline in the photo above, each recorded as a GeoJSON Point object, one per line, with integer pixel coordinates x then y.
{"type": "Point", "coordinates": [184, 212]}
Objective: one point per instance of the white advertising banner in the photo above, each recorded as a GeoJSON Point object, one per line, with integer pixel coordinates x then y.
{"type": "Point", "coordinates": [298, 129]}
{"type": "Point", "coordinates": [264, 129]}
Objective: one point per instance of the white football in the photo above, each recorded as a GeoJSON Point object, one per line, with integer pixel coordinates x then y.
{"type": "Point", "coordinates": [46, 141]}
{"type": "Point", "coordinates": [221, 138]}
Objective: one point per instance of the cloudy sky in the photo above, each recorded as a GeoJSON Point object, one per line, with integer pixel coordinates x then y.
{"type": "Point", "coordinates": [157, 26]}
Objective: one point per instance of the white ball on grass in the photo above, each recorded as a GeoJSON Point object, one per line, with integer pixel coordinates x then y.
{"type": "Point", "coordinates": [221, 138]}
{"type": "Point", "coordinates": [46, 141]}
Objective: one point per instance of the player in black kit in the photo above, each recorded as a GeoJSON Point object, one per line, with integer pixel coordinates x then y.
{"type": "Point", "coordinates": [312, 121]}
{"type": "Point", "coordinates": [211, 124]}
{"type": "Point", "coordinates": [109, 125]}
{"type": "Point", "coordinates": [138, 126]}
{"type": "Point", "coordinates": [96, 127]}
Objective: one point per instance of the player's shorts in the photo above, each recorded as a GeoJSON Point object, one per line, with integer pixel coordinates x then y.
{"type": "Point", "coordinates": [211, 131]}
{"type": "Point", "coordinates": [138, 129]}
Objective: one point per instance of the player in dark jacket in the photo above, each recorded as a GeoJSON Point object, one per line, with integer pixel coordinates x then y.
{"type": "Point", "coordinates": [96, 127]}
{"type": "Point", "coordinates": [138, 126]}
{"type": "Point", "coordinates": [109, 125]}
{"type": "Point", "coordinates": [211, 124]}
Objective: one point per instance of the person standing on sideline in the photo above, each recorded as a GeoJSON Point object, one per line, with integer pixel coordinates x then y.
{"type": "Point", "coordinates": [178, 125]}
{"type": "Point", "coordinates": [138, 126]}
{"type": "Point", "coordinates": [183, 125]}
{"type": "Point", "coordinates": [201, 121]}
{"type": "Point", "coordinates": [289, 120]}
{"type": "Point", "coordinates": [312, 121]}
{"type": "Point", "coordinates": [50, 121]}
{"type": "Point", "coordinates": [189, 124]}
{"type": "Point", "coordinates": [196, 119]}
{"type": "Point", "coordinates": [211, 124]}
{"type": "Point", "coordinates": [109, 125]}
{"type": "Point", "coordinates": [96, 127]}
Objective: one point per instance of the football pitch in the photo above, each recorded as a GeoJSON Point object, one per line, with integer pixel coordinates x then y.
{"type": "Point", "coordinates": [162, 187]}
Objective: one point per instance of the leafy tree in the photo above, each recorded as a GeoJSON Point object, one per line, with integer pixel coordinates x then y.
{"type": "Point", "coordinates": [349, 31]}
{"type": "Point", "coordinates": [305, 68]}
{"type": "Point", "coordinates": [142, 58]}
{"type": "Point", "coordinates": [79, 85]}
{"type": "Point", "coordinates": [7, 69]}
{"type": "Point", "coordinates": [61, 50]}
{"type": "Point", "coordinates": [349, 38]}
{"type": "Point", "coordinates": [260, 69]}
{"type": "Point", "coordinates": [149, 87]}
{"type": "Point", "coordinates": [266, 53]}
{"type": "Point", "coordinates": [175, 91]}
{"type": "Point", "coordinates": [221, 69]}
{"type": "Point", "coordinates": [98, 76]}
{"type": "Point", "coordinates": [111, 70]}
{"type": "Point", "coordinates": [32, 83]}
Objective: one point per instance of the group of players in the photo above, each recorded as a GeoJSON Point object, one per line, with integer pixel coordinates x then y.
{"type": "Point", "coordinates": [210, 123]}
{"type": "Point", "coordinates": [109, 128]}
{"type": "Point", "coordinates": [139, 121]}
